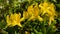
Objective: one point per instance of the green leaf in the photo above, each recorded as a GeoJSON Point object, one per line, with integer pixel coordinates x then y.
{"type": "Point", "coordinates": [32, 33]}
{"type": "Point", "coordinates": [58, 5]}
{"type": "Point", "coordinates": [39, 33]}
{"type": "Point", "coordinates": [54, 0]}
{"type": "Point", "coordinates": [4, 32]}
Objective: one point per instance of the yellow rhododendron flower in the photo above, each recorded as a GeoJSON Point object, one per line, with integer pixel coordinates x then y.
{"type": "Point", "coordinates": [33, 12]}
{"type": "Point", "coordinates": [14, 19]}
{"type": "Point", "coordinates": [30, 10]}
{"type": "Point", "coordinates": [49, 9]}
{"type": "Point", "coordinates": [36, 10]}
{"type": "Point", "coordinates": [40, 18]}
{"type": "Point", "coordinates": [25, 14]}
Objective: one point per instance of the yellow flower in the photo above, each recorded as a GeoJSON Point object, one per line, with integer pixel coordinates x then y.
{"type": "Point", "coordinates": [40, 18]}
{"type": "Point", "coordinates": [36, 10]}
{"type": "Point", "coordinates": [25, 14]}
{"type": "Point", "coordinates": [49, 9]}
{"type": "Point", "coordinates": [33, 12]}
{"type": "Point", "coordinates": [8, 20]}
{"type": "Point", "coordinates": [43, 7]}
{"type": "Point", "coordinates": [50, 19]}
{"type": "Point", "coordinates": [30, 10]}
{"type": "Point", "coordinates": [14, 19]}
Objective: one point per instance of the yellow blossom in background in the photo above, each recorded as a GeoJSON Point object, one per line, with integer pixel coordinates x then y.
{"type": "Point", "coordinates": [30, 10]}
{"type": "Point", "coordinates": [49, 9]}
{"type": "Point", "coordinates": [33, 12]}
{"type": "Point", "coordinates": [14, 19]}
{"type": "Point", "coordinates": [36, 10]}
{"type": "Point", "coordinates": [25, 14]}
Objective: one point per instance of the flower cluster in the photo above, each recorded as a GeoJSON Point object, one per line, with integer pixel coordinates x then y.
{"type": "Point", "coordinates": [37, 11]}
{"type": "Point", "coordinates": [34, 12]}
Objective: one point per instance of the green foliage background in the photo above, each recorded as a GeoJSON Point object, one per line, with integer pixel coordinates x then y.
{"type": "Point", "coordinates": [32, 27]}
